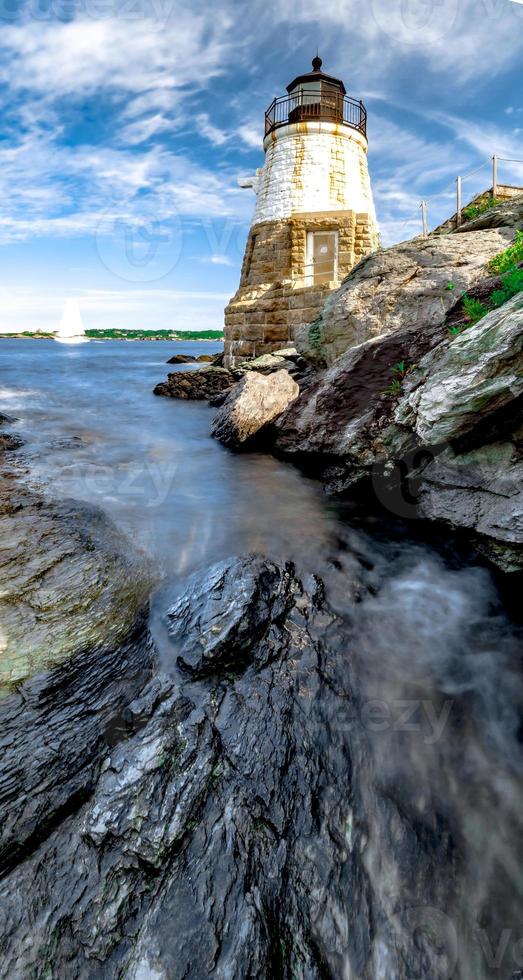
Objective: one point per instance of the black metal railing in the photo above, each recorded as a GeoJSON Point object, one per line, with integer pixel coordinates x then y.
{"type": "Point", "coordinates": [316, 104]}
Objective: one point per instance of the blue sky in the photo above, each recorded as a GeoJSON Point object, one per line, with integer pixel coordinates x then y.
{"type": "Point", "coordinates": [125, 126]}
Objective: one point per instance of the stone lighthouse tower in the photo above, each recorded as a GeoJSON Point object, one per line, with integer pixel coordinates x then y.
{"type": "Point", "coordinates": [314, 216]}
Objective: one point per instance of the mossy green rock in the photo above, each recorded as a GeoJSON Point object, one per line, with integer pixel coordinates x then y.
{"type": "Point", "coordinates": [70, 583]}
{"type": "Point", "coordinates": [480, 372]}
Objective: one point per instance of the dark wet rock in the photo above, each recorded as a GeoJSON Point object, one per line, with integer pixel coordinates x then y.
{"type": "Point", "coordinates": [54, 734]}
{"type": "Point", "coordinates": [181, 359]}
{"type": "Point", "coordinates": [7, 419]}
{"type": "Point", "coordinates": [212, 635]}
{"type": "Point", "coordinates": [10, 441]}
{"type": "Point", "coordinates": [229, 821]}
{"type": "Point", "coordinates": [255, 402]}
{"type": "Point", "coordinates": [206, 358]}
{"type": "Point", "coordinates": [71, 583]}
{"type": "Point", "coordinates": [203, 384]}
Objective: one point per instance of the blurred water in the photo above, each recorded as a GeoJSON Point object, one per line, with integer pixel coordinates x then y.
{"type": "Point", "coordinates": [94, 430]}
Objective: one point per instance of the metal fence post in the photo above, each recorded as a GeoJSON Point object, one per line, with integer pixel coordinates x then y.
{"type": "Point", "coordinates": [424, 219]}
{"type": "Point", "coordinates": [459, 202]}
{"type": "Point", "coordinates": [494, 175]}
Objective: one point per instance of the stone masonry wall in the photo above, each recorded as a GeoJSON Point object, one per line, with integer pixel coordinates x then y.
{"type": "Point", "coordinates": [273, 298]}
{"type": "Point", "coordinates": [313, 166]}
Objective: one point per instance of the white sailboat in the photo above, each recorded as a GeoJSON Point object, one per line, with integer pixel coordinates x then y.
{"type": "Point", "coordinates": [71, 329]}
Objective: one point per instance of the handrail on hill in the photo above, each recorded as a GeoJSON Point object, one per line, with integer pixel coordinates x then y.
{"type": "Point", "coordinates": [494, 162]}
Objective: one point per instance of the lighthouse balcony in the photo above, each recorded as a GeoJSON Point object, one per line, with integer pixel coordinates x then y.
{"type": "Point", "coordinates": [316, 104]}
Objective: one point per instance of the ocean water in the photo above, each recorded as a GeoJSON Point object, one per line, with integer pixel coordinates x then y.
{"type": "Point", "coordinates": [94, 430]}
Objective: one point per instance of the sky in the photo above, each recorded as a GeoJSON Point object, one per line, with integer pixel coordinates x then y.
{"type": "Point", "coordinates": [126, 124]}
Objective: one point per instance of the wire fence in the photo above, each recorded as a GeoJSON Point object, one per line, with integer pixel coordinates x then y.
{"type": "Point", "coordinates": [492, 162]}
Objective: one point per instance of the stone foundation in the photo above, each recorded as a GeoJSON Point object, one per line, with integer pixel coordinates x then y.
{"type": "Point", "coordinates": [275, 295]}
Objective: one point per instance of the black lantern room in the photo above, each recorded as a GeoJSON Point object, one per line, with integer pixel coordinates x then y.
{"type": "Point", "coordinates": [316, 96]}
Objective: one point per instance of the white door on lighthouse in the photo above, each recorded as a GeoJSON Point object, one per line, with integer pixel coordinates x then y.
{"type": "Point", "coordinates": [322, 257]}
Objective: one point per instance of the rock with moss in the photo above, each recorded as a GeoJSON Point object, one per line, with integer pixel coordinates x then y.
{"type": "Point", "coordinates": [71, 583]}
{"type": "Point", "coordinates": [466, 380]}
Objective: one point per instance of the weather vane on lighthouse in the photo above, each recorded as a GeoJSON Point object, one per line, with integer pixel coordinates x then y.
{"type": "Point", "coordinates": [314, 216]}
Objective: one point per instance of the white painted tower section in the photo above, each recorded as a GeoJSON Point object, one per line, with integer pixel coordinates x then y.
{"type": "Point", "coordinates": [313, 166]}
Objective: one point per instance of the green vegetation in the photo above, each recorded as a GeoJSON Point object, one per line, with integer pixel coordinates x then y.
{"type": "Point", "coordinates": [155, 334]}
{"type": "Point", "coordinates": [510, 258]}
{"type": "Point", "coordinates": [511, 284]}
{"type": "Point", "coordinates": [399, 373]}
{"type": "Point", "coordinates": [474, 310]}
{"type": "Point", "coordinates": [128, 334]}
{"type": "Point", "coordinates": [28, 333]}
{"type": "Point", "coordinates": [474, 210]}
{"type": "Point", "coordinates": [394, 387]}
{"type": "Point", "coordinates": [450, 286]}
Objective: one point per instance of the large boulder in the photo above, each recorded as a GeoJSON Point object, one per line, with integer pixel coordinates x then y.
{"type": "Point", "coordinates": [181, 359]}
{"type": "Point", "coordinates": [465, 381]}
{"type": "Point", "coordinates": [342, 414]}
{"type": "Point", "coordinates": [71, 583]}
{"type": "Point", "coordinates": [253, 404]}
{"type": "Point", "coordinates": [412, 284]}
{"type": "Point", "coordinates": [200, 385]}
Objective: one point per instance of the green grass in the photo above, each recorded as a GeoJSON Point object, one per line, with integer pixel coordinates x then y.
{"type": "Point", "coordinates": [511, 285]}
{"type": "Point", "coordinates": [399, 372]}
{"type": "Point", "coordinates": [510, 258]}
{"type": "Point", "coordinates": [474, 310]}
{"type": "Point", "coordinates": [474, 210]}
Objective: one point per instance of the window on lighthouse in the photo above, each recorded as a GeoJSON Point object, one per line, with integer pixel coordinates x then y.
{"type": "Point", "coordinates": [322, 257]}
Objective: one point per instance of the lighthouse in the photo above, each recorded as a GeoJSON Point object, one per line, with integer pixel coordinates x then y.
{"type": "Point", "coordinates": [314, 217]}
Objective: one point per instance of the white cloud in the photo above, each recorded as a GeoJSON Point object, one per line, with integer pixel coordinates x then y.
{"type": "Point", "coordinates": [217, 260]}
{"type": "Point", "coordinates": [86, 55]}
{"type": "Point", "coordinates": [251, 133]}
{"type": "Point", "coordinates": [206, 128]}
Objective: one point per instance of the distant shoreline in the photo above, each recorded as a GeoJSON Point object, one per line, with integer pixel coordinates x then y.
{"type": "Point", "coordinates": [99, 336]}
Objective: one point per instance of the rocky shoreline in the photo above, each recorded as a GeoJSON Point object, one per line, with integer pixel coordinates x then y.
{"type": "Point", "coordinates": [71, 580]}
{"type": "Point", "coordinates": [399, 396]}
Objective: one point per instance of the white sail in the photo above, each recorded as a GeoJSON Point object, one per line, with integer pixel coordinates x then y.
{"type": "Point", "coordinates": [71, 329]}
